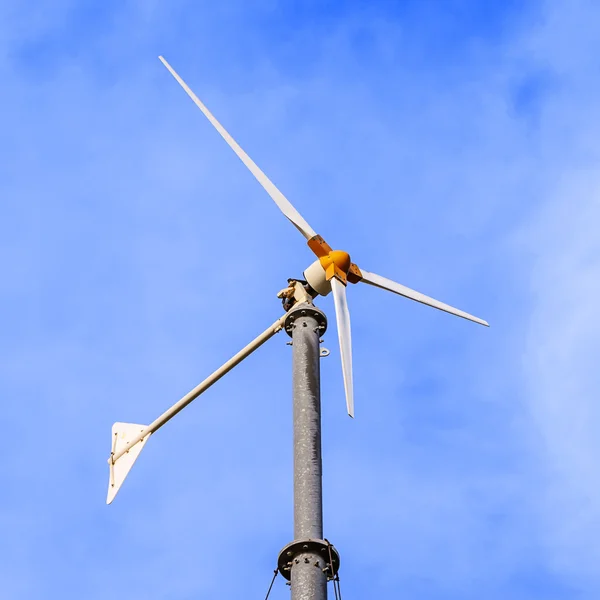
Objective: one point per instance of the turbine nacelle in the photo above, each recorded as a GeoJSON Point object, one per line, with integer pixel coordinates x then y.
{"type": "Point", "coordinates": [316, 277]}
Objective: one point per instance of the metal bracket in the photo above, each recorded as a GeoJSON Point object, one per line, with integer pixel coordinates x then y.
{"type": "Point", "coordinates": [111, 460]}
{"type": "Point", "coordinates": [295, 293]}
{"type": "Point", "coordinates": [321, 548]}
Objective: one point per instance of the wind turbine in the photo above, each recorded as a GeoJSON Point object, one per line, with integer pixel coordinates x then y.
{"type": "Point", "coordinates": [332, 271]}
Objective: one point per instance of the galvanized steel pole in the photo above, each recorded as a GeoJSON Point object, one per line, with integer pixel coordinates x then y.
{"type": "Point", "coordinates": [308, 582]}
{"type": "Point", "coordinates": [308, 472]}
{"type": "Point", "coordinates": [305, 561]}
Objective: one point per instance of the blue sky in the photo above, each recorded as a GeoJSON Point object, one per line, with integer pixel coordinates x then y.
{"type": "Point", "coordinates": [451, 146]}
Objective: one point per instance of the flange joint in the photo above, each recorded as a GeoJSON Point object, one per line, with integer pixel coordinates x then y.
{"type": "Point", "coordinates": [327, 557]}
{"type": "Point", "coordinates": [303, 309]}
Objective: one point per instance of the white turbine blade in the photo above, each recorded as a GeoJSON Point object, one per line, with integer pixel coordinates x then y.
{"type": "Point", "coordinates": [392, 286]}
{"type": "Point", "coordinates": [342, 317]}
{"type": "Point", "coordinates": [123, 434]}
{"type": "Point", "coordinates": [284, 204]}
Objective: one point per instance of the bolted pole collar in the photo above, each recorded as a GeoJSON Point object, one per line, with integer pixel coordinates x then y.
{"type": "Point", "coordinates": [304, 309]}
{"type": "Point", "coordinates": [323, 554]}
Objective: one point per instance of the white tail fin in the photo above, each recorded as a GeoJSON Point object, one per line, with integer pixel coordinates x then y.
{"type": "Point", "coordinates": [123, 434]}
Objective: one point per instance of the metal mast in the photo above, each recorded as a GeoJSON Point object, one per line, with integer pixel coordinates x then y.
{"type": "Point", "coordinates": [307, 561]}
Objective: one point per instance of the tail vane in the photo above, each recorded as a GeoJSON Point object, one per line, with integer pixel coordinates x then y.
{"type": "Point", "coordinates": [122, 435]}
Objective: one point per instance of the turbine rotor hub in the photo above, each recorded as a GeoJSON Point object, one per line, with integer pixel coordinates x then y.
{"type": "Point", "coordinates": [336, 262]}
